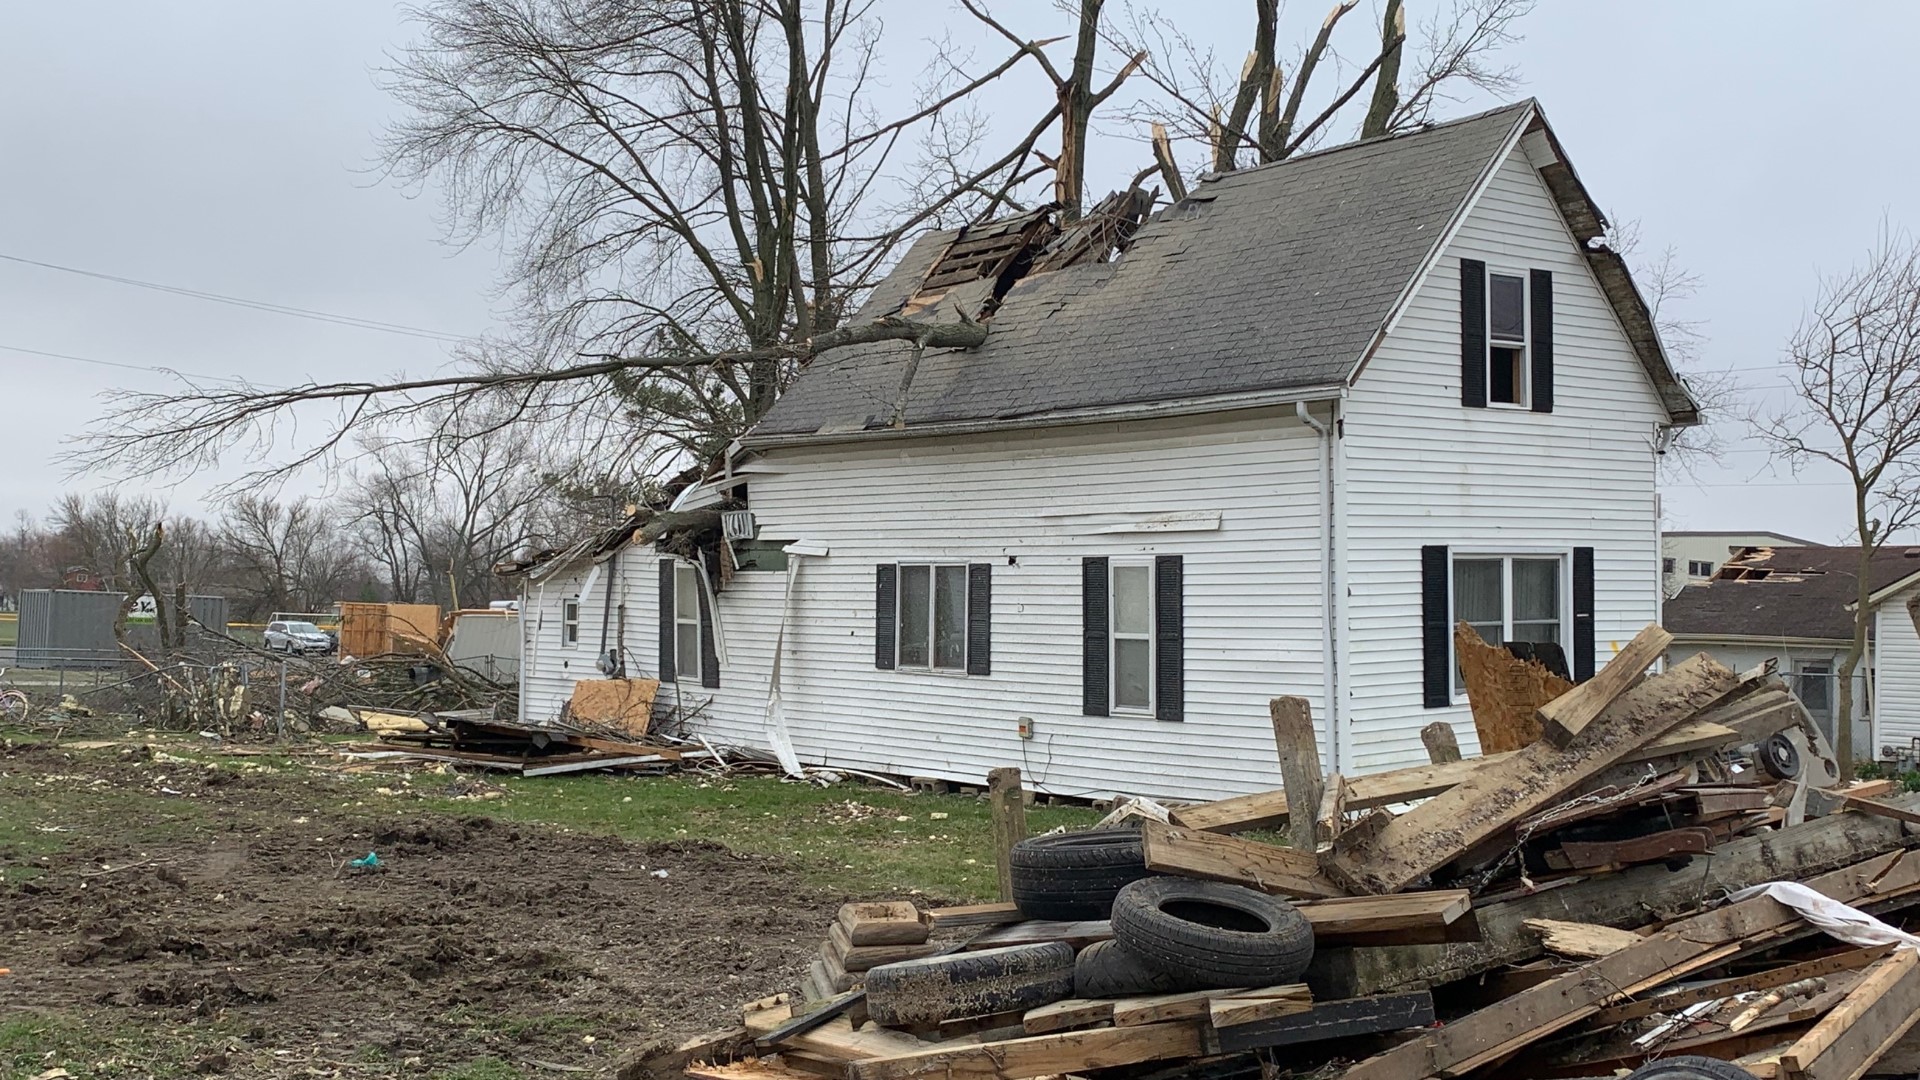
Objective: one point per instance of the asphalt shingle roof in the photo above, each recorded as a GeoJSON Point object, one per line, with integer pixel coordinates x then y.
{"type": "Point", "coordinates": [1270, 278]}
{"type": "Point", "coordinates": [1804, 595]}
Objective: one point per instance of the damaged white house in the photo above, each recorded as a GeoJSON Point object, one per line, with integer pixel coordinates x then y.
{"type": "Point", "coordinates": [1275, 439]}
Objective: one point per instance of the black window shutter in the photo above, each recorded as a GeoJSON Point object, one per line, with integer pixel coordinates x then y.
{"type": "Point", "coordinates": [1582, 614]}
{"type": "Point", "coordinates": [1093, 621]}
{"type": "Point", "coordinates": [1541, 299]}
{"type": "Point", "coordinates": [666, 621]}
{"type": "Point", "coordinates": [885, 597]}
{"type": "Point", "coordinates": [1169, 638]}
{"type": "Point", "coordinates": [1436, 677]}
{"type": "Point", "coordinates": [1473, 334]}
{"type": "Point", "coordinates": [980, 618]}
{"type": "Point", "coordinates": [709, 656]}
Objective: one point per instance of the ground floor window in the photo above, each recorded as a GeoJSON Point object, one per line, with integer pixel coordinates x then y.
{"type": "Point", "coordinates": [933, 616]}
{"type": "Point", "coordinates": [1509, 598]}
{"type": "Point", "coordinates": [1132, 635]}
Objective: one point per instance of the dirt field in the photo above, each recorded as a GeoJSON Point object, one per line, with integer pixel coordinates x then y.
{"type": "Point", "coordinates": [164, 918]}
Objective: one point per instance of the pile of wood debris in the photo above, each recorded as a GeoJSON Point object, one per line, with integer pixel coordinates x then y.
{"type": "Point", "coordinates": [1582, 905]}
{"type": "Point", "coordinates": [480, 740]}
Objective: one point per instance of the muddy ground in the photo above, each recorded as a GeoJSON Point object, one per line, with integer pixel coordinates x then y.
{"type": "Point", "coordinates": [209, 921]}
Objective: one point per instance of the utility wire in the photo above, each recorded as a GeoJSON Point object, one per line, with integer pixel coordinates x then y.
{"type": "Point", "coordinates": [115, 364]}
{"type": "Point", "coordinates": [255, 305]}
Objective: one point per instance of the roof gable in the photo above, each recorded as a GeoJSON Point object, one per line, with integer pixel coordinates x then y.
{"type": "Point", "coordinates": [1269, 282]}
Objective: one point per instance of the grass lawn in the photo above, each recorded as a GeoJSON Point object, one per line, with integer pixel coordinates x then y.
{"type": "Point", "coordinates": [9, 628]}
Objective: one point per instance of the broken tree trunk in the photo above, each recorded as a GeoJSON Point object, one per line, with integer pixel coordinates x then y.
{"type": "Point", "coordinates": [1498, 795]}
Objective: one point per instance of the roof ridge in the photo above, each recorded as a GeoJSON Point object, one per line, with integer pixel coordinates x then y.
{"type": "Point", "coordinates": [1216, 177]}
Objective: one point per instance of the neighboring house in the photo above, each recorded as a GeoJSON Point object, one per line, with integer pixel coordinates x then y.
{"type": "Point", "coordinates": [1795, 605]}
{"type": "Point", "coordinates": [1310, 416]}
{"type": "Point", "coordinates": [1687, 557]}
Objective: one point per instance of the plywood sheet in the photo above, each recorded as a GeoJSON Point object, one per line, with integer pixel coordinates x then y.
{"type": "Point", "coordinates": [625, 704]}
{"type": "Point", "coordinates": [1504, 691]}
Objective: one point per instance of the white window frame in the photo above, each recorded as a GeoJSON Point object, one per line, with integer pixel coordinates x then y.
{"type": "Point", "coordinates": [1506, 557]}
{"type": "Point", "coordinates": [682, 573]}
{"type": "Point", "coordinates": [1694, 565]}
{"type": "Point", "coordinates": [569, 622]}
{"type": "Point", "coordinates": [1526, 342]}
{"type": "Point", "coordinates": [1114, 635]}
{"type": "Point", "coordinates": [933, 621]}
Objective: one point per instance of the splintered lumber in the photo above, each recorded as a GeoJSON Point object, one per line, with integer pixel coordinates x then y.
{"type": "Point", "coordinates": [750, 1069]}
{"type": "Point", "coordinates": [1498, 795]}
{"type": "Point", "coordinates": [1076, 932]}
{"type": "Point", "coordinates": [1333, 809]}
{"type": "Point", "coordinates": [1681, 949]}
{"type": "Point", "coordinates": [1253, 1006]}
{"type": "Point", "coordinates": [1851, 960]}
{"type": "Point", "coordinates": [1441, 743]}
{"type": "Point", "coordinates": [1583, 940]}
{"type": "Point", "coordinates": [1880, 809]}
{"type": "Point", "coordinates": [1039, 1055]}
{"type": "Point", "coordinates": [1504, 691]}
{"type": "Point", "coordinates": [1565, 717]}
{"type": "Point", "coordinates": [1628, 898]}
{"type": "Point", "coordinates": [1268, 809]}
{"type": "Point", "coordinates": [892, 922]}
{"type": "Point", "coordinates": [1066, 1015]}
{"type": "Point", "coordinates": [1158, 1008]}
{"type": "Point", "coordinates": [862, 957]}
{"type": "Point", "coordinates": [1332, 1020]}
{"type": "Point", "coordinates": [952, 918]}
{"type": "Point", "coordinates": [1881, 1008]}
{"type": "Point", "coordinates": [1397, 919]}
{"type": "Point", "coordinates": [714, 1046]}
{"type": "Point", "coordinates": [1267, 867]}
{"type": "Point", "coordinates": [1294, 740]}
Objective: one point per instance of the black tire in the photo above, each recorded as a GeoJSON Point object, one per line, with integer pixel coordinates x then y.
{"type": "Point", "coordinates": [1780, 758]}
{"type": "Point", "coordinates": [1690, 1067]}
{"type": "Point", "coordinates": [936, 988]}
{"type": "Point", "coordinates": [1214, 934]}
{"type": "Point", "coordinates": [1075, 875]}
{"type": "Point", "coordinates": [1105, 970]}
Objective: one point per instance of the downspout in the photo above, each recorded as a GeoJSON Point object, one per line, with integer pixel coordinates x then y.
{"type": "Point", "coordinates": [1330, 662]}
{"type": "Point", "coordinates": [609, 667]}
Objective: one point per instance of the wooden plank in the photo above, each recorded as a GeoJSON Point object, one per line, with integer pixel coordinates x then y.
{"type": "Point", "coordinates": [1332, 1020]}
{"type": "Point", "coordinates": [1361, 920]}
{"type": "Point", "coordinates": [1066, 1015]}
{"type": "Point", "coordinates": [596, 761]}
{"type": "Point", "coordinates": [749, 1069]}
{"type": "Point", "coordinates": [1583, 940]}
{"type": "Point", "coordinates": [891, 922]}
{"type": "Point", "coordinates": [840, 1005]}
{"type": "Point", "coordinates": [1039, 1055]}
{"type": "Point", "coordinates": [1009, 809]}
{"type": "Point", "coordinates": [1654, 847]}
{"type": "Point", "coordinates": [1880, 809]}
{"type": "Point", "coordinates": [862, 957]}
{"type": "Point", "coordinates": [1850, 960]}
{"type": "Point", "coordinates": [1621, 899]}
{"type": "Point", "coordinates": [949, 918]}
{"type": "Point", "coordinates": [1689, 945]}
{"type": "Point", "coordinates": [1495, 797]}
{"type": "Point", "coordinates": [1441, 743]}
{"type": "Point", "coordinates": [1504, 691]}
{"type": "Point", "coordinates": [1294, 741]}
{"type": "Point", "coordinates": [1268, 809]}
{"type": "Point", "coordinates": [1158, 1008]}
{"type": "Point", "coordinates": [1882, 1007]}
{"type": "Point", "coordinates": [714, 1046]}
{"type": "Point", "coordinates": [1267, 867]}
{"type": "Point", "coordinates": [1037, 931]}
{"type": "Point", "coordinates": [1332, 817]}
{"type": "Point", "coordinates": [1255, 1006]}
{"type": "Point", "coordinates": [836, 1039]}
{"type": "Point", "coordinates": [838, 979]}
{"type": "Point", "coordinates": [1563, 718]}
{"type": "Point", "coordinates": [616, 746]}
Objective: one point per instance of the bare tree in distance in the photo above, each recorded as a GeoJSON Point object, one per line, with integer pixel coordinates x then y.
{"type": "Point", "coordinates": [1855, 361]}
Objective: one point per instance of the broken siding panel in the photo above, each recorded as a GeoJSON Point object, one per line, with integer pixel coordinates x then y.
{"type": "Point", "coordinates": [1252, 600]}
{"type": "Point", "coordinates": [1421, 469]}
{"type": "Point", "coordinates": [1896, 678]}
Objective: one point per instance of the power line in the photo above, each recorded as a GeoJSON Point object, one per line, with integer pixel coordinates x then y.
{"type": "Point", "coordinates": [255, 305]}
{"type": "Point", "coordinates": [114, 363]}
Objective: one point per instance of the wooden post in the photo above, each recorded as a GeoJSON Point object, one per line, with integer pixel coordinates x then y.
{"type": "Point", "coordinates": [1299, 751]}
{"type": "Point", "coordinates": [1442, 745]}
{"type": "Point", "coordinates": [1009, 822]}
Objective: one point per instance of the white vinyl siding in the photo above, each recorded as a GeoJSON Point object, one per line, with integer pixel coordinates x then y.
{"type": "Point", "coordinates": [1895, 652]}
{"type": "Point", "coordinates": [1416, 468]}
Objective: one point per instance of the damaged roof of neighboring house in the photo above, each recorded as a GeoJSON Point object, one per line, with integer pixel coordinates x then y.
{"type": "Point", "coordinates": [1278, 278]}
{"type": "Point", "coordinates": [1784, 592]}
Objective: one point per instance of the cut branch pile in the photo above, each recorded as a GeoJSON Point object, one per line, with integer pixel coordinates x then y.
{"type": "Point", "coordinates": [1572, 907]}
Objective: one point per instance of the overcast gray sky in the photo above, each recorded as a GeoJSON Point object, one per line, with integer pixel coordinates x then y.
{"type": "Point", "coordinates": [225, 146]}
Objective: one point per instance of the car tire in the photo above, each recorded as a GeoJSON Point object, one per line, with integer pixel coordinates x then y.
{"type": "Point", "coordinates": [1690, 1067]}
{"type": "Point", "coordinates": [1075, 875]}
{"type": "Point", "coordinates": [1106, 970]}
{"type": "Point", "coordinates": [1217, 935]}
{"type": "Point", "coordinates": [936, 988]}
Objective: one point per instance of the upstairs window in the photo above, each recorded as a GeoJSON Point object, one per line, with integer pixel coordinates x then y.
{"type": "Point", "coordinates": [1506, 339]}
{"type": "Point", "coordinates": [1699, 568]}
{"type": "Point", "coordinates": [686, 621]}
{"type": "Point", "coordinates": [570, 621]}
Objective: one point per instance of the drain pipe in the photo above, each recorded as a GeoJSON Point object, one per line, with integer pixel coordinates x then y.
{"type": "Point", "coordinates": [1330, 683]}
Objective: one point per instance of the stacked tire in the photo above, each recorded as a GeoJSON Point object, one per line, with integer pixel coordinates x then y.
{"type": "Point", "coordinates": [1169, 935]}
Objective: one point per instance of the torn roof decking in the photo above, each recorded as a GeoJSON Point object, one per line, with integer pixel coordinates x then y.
{"type": "Point", "coordinates": [1275, 278]}
{"type": "Point", "coordinates": [1803, 593]}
